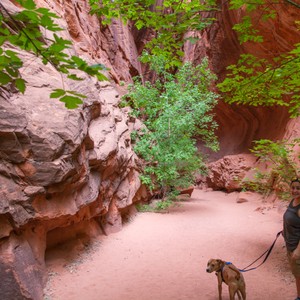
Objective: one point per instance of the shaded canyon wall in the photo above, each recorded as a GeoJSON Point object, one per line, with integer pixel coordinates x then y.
{"type": "Point", "coordinates": [240, 125]}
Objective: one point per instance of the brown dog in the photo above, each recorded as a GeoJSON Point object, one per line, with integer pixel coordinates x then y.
{"type": "Point", "coordinates": [229, 274]}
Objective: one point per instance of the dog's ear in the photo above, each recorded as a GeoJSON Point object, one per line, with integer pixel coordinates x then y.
{"type": "Point", "coordinates": [219, 261]}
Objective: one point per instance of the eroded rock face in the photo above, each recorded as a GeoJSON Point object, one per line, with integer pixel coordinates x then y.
{"type": "Point", "coordinates": [111, 45]}
{"type": "Point", "coordinates": [60, 167]}
{"type": "Point", "coordinates": [63, 173]}
{"type": "Point", "coordinates": [228, 172]}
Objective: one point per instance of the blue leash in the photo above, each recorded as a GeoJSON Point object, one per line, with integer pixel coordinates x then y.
{"type": "Point", "coordinates": [267, 253]}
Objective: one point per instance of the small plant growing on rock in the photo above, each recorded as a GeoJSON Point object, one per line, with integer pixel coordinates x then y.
{"type": "Point", "coordinates": [280, 156]}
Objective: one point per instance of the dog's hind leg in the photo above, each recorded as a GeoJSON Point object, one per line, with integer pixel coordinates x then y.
{"type": "Point", "coordinates": [232, 291]}
{"type": "Point", "coordinates": [242, 290]}
{"type": "Point", "coordinates": [239, 294]}
{"type": "Point", "coordinates": [243, 293]}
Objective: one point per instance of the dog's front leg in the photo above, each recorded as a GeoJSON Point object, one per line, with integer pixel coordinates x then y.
{"type": "Point", "coordinates": [220, 286]}
{"type": "Point", "coordinates": [220, 291]}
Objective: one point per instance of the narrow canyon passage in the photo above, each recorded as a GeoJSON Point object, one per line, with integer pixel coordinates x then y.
{"type": "Point", "coordinates": [164, 256]}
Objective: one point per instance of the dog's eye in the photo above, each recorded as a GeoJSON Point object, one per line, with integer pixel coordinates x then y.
{"type": "Point", "coordinates": [212, 265]}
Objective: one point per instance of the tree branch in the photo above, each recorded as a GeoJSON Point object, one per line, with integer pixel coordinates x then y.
{"type": "Point", "coordinates": [20, 28]}
{"type": "Point", "coordinates": [293, 3]}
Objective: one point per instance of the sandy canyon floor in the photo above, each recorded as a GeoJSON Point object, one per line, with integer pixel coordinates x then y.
{"type": "Point", "coordinates": [164, 256]}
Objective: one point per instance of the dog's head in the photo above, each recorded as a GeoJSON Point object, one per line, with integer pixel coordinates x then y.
{"type": "Point", "coordinates": [214, 265]}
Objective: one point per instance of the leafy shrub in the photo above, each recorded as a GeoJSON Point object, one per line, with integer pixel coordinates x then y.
{"type": "Point", "coordinates": [175, 109]}
{"type": "Point", "coordinates": [159, 206]}
{"type": "Point", "coordinates": [282, 167]}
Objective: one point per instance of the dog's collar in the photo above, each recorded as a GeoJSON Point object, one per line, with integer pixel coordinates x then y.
{"type": "Point", "coordinates": [226, 263]}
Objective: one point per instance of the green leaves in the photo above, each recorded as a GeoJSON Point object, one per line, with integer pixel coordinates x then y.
{"type": "Point", "coordinates": [248, 5]}
{"type": "Point", "coordinates": [169, 22]}
{"type": "Point", "coordinates": [255, 81]}
{"type": "Point", "coordinates": [4, 78]}
{"type": "Point", "coordinates": [28, 4]}
{"type": "Point", "coordinates": [70, 98]}
{"type": "Point", "coordinates": [10, 64]}
{"type": "Point", "coordinates": [20, 84]}
{"type": "Point", "coordinates": [93, 70]}
{"type": "Point", "coordinates": [175, 109]}
{"type": "Point", "coordinates": [71, 101]}
{"type": "Point", "coordinates": [57, 93]}
{"type": "Point", "coordinates": [247, 31]}
{"type": "Point", "coordinates": [23, 31]}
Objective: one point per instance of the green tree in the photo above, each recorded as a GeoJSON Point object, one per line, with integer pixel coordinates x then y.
{"type": "Point", "coordinates": [175, 109]}
{"type": "Point", "coordinates": [266, 82]}
{"type": "Point", "coordinates": [169, 22]}
{"type": "Point", "coordinates": [23, 31]}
